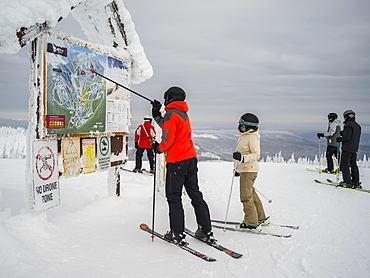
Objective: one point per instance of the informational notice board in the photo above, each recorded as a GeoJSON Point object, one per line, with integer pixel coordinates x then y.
{"type": "Point", "coordinates": [79, 119]}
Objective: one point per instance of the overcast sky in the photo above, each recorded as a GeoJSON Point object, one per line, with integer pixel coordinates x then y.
{"type": "Point", "coordinates": [289, 62]}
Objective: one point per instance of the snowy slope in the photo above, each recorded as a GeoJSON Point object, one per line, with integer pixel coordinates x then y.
{"type": "Point", "coordinates": [93, 235]}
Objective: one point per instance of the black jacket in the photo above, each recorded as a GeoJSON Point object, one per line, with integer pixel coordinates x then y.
{"type": "Point", "coordinates": [351, 135]}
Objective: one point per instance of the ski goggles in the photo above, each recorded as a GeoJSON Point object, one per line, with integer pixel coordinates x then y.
{"type": "Point", "coordinates": [242, 122]}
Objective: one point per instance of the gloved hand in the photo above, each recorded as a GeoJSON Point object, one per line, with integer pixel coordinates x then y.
{"type": "Point", "coordinates": [339, 139]}
{"type": "Point", "coordinates": [155, 147]}
{"type": "Point", "coordinates": [238, 156]}
{"type": "Point", "coordinates": [156, 107]}
{"type": "Point", "coordinates": [136, 145]}
{"type": "Point", "coordinates": [236, 174]}
{"type": "Point", "coordinates": [320, 135]}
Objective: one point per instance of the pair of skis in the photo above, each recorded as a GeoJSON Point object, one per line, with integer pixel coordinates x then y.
{"type": "Point", "coordinates": [318, 170]}
{"type": "Point", "coordinates": [215, 245]}
{"type": "Point", "coordinates": [200, 255]}
{"type": "Point", "coordinates": [145, 172]}
{"type": "Point", "coordinates": [336, 184]}
{"type": "Point", "coordinates": [263, 231]}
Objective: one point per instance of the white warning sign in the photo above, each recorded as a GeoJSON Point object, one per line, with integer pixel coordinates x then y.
{"type": "Point", "coordinates": [45, 174]}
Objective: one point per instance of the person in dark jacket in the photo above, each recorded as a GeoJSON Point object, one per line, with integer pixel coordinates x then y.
{"type": "Point", "coordinates": [331, 136]}
{"type": "Point", "coordinates": [350, 142]}
{"type": "Point", "coordinates": [181, 166]}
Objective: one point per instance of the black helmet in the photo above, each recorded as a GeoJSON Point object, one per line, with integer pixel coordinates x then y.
{"type": "Point", "coordinates": [332, 116]}
{"type": "Point", "coordinates": [174, 93]}
{"type": "Point", "coordinates": [349, 114]}
{"type": "Point", "coordinates": [248, 121]}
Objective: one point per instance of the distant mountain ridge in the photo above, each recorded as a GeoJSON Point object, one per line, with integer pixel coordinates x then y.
{"type": "Point", "coordinates": [210, 144]}
{"type": "Point", "coordinates": [220, 144]}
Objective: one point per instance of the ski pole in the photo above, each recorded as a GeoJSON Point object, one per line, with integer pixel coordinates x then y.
{"type": "Point", "coordinates": [228, 203]}
{"type": "Point", "coordinates": [133, 151]}
{"type": "Point", "coordinates": [319, 157]}
{"type": "Point", "coordinates": [339, 159]}
{"type": "Point", "coordinates": [231, 190]}
{"type": "Point", "coordinates": [132, 91]}
{"type": "Point", "coordinates": [259, 192]}
{"type": "Point", "coordinates": [154, 188]}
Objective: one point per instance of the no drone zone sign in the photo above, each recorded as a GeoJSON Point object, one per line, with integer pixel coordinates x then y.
{"type": "Point", "coordinates": [45, 174]}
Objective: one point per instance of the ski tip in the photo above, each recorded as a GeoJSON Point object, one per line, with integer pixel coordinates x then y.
{"type": "Point", "coordinates": [233, 254]}
{"type": "Point", "coordinates": [143, 226]}
{"type": "Point", "coordinates": [205, 257]}
{"type": "Point", "coordinates": [237, 256]}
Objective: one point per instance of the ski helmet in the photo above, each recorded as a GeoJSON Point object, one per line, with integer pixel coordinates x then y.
{"type": "Point", "coordinates": [248, 121]}
{"type": "Point", "coordinates": [349, 114]}
{"type": "Point", "coordinates": [147, 118]}
{"type": "Point", "coordinates": [174, 94]}
{"type": "Point", "coordinates": [332, 116]}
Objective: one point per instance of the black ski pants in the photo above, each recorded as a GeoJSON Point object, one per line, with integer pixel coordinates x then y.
{"type": "Point", "coordinates": [139, 157]}
{"type": "Point", "coordinates": [330, 151]}
{"type": "Point", "coordinates": [179, 174]}
{"type": "Point", "coordinates": [349, 168]}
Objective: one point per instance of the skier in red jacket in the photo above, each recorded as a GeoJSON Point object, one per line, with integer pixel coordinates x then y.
{"type": "Point", "coordinates": [181, 166]}
{"type": "Point", "coordinates": [144, 137]}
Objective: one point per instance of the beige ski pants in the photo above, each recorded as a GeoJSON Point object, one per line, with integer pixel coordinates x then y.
{"type": "Point", "coordinates": [252, 205]}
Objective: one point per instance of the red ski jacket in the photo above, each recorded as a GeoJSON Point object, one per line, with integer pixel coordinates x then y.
{"type": "Point", "coordinates": [143, 133]}
{"type": "Point", "coordinates": [176, 133]}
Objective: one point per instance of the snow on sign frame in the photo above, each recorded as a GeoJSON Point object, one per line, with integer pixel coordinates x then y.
{"type": "Point", "coordinates": [78, 102]}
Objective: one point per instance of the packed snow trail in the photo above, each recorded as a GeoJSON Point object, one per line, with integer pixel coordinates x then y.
{"type": "Point", "coordinates": [93, 235]}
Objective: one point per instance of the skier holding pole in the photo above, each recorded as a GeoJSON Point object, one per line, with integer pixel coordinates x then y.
{"type": "Point", "coordinates": [350, 139]}
{"type": "Point", "coordinates": [182, 169]}
{"type": "Point", "coordinates": [246, 155]}
{"type": "Point", "coordinates": [331, 135]}
{"type": "Point", "coordinates": [181, 166]}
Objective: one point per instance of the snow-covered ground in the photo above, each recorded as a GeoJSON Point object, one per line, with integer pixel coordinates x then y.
{"type": "Point", "coordinates": [93, 235]}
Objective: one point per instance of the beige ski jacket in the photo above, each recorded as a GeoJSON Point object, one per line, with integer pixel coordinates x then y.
{"type": "Point", "coordinates": [249, 146]}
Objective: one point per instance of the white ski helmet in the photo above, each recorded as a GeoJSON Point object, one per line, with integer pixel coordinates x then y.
{"type": "Point", "coordinates": [147, 118]}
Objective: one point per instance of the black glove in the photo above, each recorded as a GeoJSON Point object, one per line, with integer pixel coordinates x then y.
{"type": "Point", "coordinates": [238, 156]}
{"type": "Point", "coordinates": [320, 135]}
{"type": "Point", "coordinates": [156, 108]}
{"type": "Point", "coordinates": [339, 139]}
{"type": "Point", "coordinates": [136, 145]}
{"type": "Point", "coordinates": [236, 174]}
{"type": "Point", "coordinates": [155, 147]}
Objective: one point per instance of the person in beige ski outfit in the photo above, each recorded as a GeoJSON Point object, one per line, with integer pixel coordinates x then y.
{"type": "Point", "coordinates": [246, 157]}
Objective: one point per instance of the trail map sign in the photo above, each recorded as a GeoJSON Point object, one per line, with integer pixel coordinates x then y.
{"type": "Point", "coordinates": [79, 101]}
{"type": "Point", "coordinates": [45, 174]}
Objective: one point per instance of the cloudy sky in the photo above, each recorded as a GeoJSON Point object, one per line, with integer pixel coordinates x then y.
{"type": "Point", "coordinates": [289, 62]}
